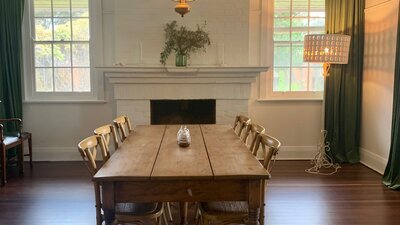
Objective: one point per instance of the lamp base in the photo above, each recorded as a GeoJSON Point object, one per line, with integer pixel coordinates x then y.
{"type": "Point", "coordinates": [323, 162]}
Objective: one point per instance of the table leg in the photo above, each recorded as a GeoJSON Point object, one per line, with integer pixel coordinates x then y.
{"type": "Point", "coordinates": [108, 202]}
{"type": "Point", "coordinates": [183, 207]}
{"type": "Point", "coordinates": [254, 202]}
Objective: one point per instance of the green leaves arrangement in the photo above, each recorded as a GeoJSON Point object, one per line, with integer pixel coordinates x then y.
{"type": "Point", "coordinates": [183, 41]}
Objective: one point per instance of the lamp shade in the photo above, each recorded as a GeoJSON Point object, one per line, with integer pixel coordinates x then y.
{"type": "Point", "coordinates": [326, 48]}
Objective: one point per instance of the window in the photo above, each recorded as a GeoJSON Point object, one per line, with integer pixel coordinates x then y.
{"type": "Point", "coordinates": [292, 20]}
{"type": "Point", "coordinates": [61, 46]}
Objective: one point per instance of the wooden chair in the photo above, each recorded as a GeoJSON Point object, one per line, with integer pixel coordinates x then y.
{"type": "Point", "coordinates": [237, 211]}
{"type": "Point", "coordinates": [124, 127]}
{"type": "Point", "coordinates": [8, 142]}
{"type": "Point", "coordinates": [124, 212]}
{"type": "Point", "coordinates": [240, 123]}
{"type": "Point", "coordinates": [107, 132]}
{"type": "Point", "coordinates": [250, 134]}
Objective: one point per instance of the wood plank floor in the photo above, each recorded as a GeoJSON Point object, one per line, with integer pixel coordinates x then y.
{"type": "Point", "coordinates": [61, 193]}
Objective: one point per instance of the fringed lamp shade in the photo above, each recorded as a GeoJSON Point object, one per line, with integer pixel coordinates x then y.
{"type": "Point", "coordinates": [326, 48]}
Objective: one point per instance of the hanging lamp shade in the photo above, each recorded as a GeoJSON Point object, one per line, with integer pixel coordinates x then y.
{"type": "Point", "coordinates": [182, 7]}
{"type": "Point", "coordinates": [326, 48]}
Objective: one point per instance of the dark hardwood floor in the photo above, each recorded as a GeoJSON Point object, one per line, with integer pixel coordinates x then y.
{"type": "Point", "coordinates": [57, 193]}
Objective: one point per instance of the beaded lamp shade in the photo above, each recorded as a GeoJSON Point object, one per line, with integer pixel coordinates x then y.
{"type": "Point", "coordinates": [326, 48]}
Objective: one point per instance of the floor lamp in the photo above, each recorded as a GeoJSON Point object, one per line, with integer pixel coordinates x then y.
{"type": "Point", "coordinates": [327, 49]}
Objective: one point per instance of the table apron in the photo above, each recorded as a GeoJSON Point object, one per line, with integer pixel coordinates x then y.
{"type": "Point", "coordinates": [164, 191]}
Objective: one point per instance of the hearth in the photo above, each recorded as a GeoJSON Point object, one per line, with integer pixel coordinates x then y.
{"type": "Point", "coordinates": [199, 111]}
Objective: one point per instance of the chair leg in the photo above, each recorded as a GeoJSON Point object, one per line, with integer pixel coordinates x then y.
{"type": "Point", "coordinates": [165, 218]}
{"type": "Point", "coordinates": [4, 167]}
{"type": "Point", "coordinates": [30, 150]}
{"type": "Point", "coordinates": [169, 211]}
{"type": "Point", "coordinates": [20, 155]}
{"type": "Point", "coordinates": [99, 217]}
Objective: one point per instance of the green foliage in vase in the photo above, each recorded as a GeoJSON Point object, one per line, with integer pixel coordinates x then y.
{"type": "Point", "coordinates": [183, 41]}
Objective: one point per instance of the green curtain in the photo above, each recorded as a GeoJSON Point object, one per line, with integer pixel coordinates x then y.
{"type": "Point", "coordinates": [391, 177]}
{"type": "Point", "coordinates": [11, 14]}
{"type": "Point", "coordinates": [343, 86]}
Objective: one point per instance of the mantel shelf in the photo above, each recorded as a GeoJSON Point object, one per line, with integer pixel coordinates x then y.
{"type": "Point", "coordinates": [183, 70]}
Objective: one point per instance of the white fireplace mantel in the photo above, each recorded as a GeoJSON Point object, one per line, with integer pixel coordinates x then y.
{"type": "Point", "coordinates": [135, 86]}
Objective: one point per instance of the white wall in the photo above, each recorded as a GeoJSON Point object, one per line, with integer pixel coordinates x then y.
{"type": "Point", "coordinates": [234, 24]}
{"type": "Point", "coordinates": [377, 97]}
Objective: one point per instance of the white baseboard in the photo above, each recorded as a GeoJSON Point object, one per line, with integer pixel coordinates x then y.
{"type": "Point", "coordinates": [372, 160]}
{"type": "Point", "coordinates": [56, 154]}
{"type": "Point", "coordinates": [297, 152]}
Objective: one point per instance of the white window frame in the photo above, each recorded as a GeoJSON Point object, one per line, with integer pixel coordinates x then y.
{"type": "Point", "coordinates": [96, 58]}
{"type": "Point", "coordinates": [267, 56]}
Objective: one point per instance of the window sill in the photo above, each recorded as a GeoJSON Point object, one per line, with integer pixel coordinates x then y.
{"type": "Point", "coordinates": [64, 101]}
{"type": "Point", "coordinates": [289, 99]}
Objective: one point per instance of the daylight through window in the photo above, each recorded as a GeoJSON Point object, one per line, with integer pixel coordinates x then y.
{"type": "Point", "coordinates": [61, 45]}
{"type": "Point", "coordinates": [292, 20]}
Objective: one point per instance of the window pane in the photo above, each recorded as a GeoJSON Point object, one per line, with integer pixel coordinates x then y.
{"type": "Point", "coordinates": [80, 8]}
{"type": "Point", "coordinates": [299, 22]}
{"type": "Point", "coordinates": [316, 79]}
{"type": "Point", "coordinates": [282, 55]}
{"type": "Point", "coordinates": [299, 8]}
{"type": "Point", "coordinates": [43, 56]}
{"type": "Point", "coordinates": [299, 35]}
{"type": "Point", "coordinates": [80, 29]}
{"type": "Point", "coordinates": [317, 22]}
{"type": "Point", "coordinates": [282, 36]}
{"type": "Point", "coordinates": [43, 30]}
{"type": "Point", "coordinates": [297, 55]}
{"type": "Point", "coordinates": [282, 7]}
{"type": "Point", "coordinates": [62, 55]}
{"type": "Point", "coordinates": [299, 79]}
{"type": "Point", "coordinates": [281, 79]}
{"type": "Point", "coordinates": [61, 8]}
{"type": "Point", "coordinates": [44, 79]}
{"type": "Point", "coordinates": [80, 55]}
{"type": "Point", "coordinates": [42, 8]}
{"type": "Point", "coordinates": [62, 79]}
{"type": "Point", "coordinates": [81, 79]}
{"type": "Point", "coordinates": [281, 23]}
{"type": "Point", "coordinates": [62, 29]}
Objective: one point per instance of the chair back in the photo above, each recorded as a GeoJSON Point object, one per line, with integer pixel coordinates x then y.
{"type": "Point", "coordinates": [250, 134]}
{"type": "Point", "coordinates": [107, 132]}
{"type": "Point", "coordinates": [270, 147]}
{"type": "Point", "coordinates": [124, 126]}
{"type": "Point", "coordinates": [240, 123]}
{"type": "Point", "coordinates": [88, 149]}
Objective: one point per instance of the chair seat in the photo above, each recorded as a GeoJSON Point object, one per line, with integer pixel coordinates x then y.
{"type": "Point", "coordinates": [9, 140]}
{"type": "Point", "coordinates": [136, 208]}
{"type": "Point", "coordinates": [227, 207]}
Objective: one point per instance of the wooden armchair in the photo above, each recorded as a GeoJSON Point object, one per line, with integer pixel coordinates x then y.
{"type": "Point", "coordinates": [240, 123]}
{"type": "Point", "coordinates": [237, 211]}
{"type": "Point", "coordinates": [124, 127]}
{"type": "Point", "coordinates": [10, 141]}
{"type": "Point", "coordinates": [125, 212]}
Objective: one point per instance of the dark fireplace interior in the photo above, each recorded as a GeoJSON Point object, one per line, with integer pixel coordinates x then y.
{"type": "Point", "coordinates": [183, 111]}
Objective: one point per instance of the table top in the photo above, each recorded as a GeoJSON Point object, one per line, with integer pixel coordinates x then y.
{"type": "Point", "coordinates": [152, 153]}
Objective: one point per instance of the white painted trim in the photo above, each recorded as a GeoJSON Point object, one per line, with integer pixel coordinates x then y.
{"type": "Point", "coordinates": [372, 160]}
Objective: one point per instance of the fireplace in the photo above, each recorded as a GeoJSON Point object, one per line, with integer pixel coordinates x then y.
{"type": "Point", "coordinates": [196, 111]}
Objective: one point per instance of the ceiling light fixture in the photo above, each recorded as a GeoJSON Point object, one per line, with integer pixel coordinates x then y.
{"type": "Point", "coordinates": [182, 7]}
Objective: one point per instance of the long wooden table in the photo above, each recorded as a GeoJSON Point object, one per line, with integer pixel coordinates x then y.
{"type": "Point", "coordinates": [150, 167]}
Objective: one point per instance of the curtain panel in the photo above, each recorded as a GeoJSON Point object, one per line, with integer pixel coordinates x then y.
{"type": "Point", "coordinates": [11, 15]}
{"type": "Point", "coordinates": [343, 86]}
{"type": "Point", "coordinates": [391, 177]}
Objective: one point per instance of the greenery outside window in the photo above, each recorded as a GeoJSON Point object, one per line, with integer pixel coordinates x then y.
{"type": "Point", "coordinates": [292, 20]}
{"type": "Point", "coordinates": [61, 46]}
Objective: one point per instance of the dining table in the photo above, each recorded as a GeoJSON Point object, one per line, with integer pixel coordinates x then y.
{"type": "Point", "coordinates": [149, 166]}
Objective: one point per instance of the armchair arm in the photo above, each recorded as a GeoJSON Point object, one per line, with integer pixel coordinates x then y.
{"type": "Point", "coordinates": [15, 120]}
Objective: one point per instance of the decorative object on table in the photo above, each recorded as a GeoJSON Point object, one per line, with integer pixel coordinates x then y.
{"type": "Point", "coordinates": [327, 49]}
{"type": "Point", "coordinates": [183, 42]}
{"type": "Point", "coordinates": [182, 7]}
{"type": "Point", "coordinates": [183, 137]}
